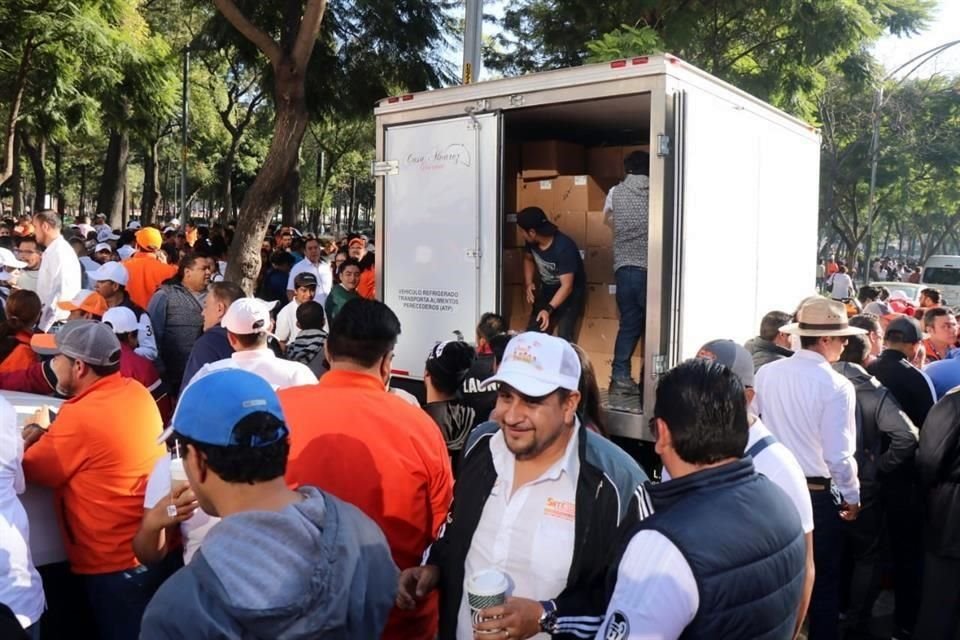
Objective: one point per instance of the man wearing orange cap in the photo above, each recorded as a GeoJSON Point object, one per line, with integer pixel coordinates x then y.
{"type": "Point", "coordinates": [145, 271]}
{"type": "Point", "coordinates": [86, 305]}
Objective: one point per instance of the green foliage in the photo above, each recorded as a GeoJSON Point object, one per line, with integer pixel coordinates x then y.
{"type": "Point", "coordinates": [624, 42]}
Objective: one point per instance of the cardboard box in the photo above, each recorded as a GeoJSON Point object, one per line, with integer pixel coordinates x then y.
{"type": "Point", "coordinates": [598, 334]}
{"type": "Point", "coordinates": [573, 224]}
{"type": "Point", "coordinates": [551, 158]}
{"type": "Point", "coordinates": [603, 367]}
{"type": "Point", "coordinates": [511, 193]}
{"type": "Point", "coordinates": [538, 193]}
{"type": "Point", "coordinates": [599, 233]}
{"type": "Point", "coordinates": [599, 264]}
{"type": "Point", "coordinates": [513, 301]}
{"type": "Point", "coordinates": [605, 162]}
{"type": "Point", "coordinates": [579, 193]}
{"type": "Point", "coordinates": [518, 321]}
{"type": "Point", "coordinates": [601, 301]}
{"type": "Point", "coordinates": [513, 266]}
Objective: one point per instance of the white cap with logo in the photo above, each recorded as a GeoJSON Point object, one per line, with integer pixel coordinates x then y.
{"type": "Point", "coordinates": [537, 364]}
{"type": "Point", "coordinates": [247, 316]}
{"type": "Point", "coordinates": [112, 271]}
{"type": "Point", "coordinates": [121, 319]}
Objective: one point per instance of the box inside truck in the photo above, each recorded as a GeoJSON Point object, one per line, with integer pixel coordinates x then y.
{"type": "Point", "coordinates": [564, 158]}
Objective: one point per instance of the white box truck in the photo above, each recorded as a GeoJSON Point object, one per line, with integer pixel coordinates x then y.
{"type": "Point", "coordinates": [733, 203]}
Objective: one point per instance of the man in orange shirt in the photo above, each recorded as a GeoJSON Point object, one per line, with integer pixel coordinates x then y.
{"type": "Point", "coordinates": [145, 272]}
{"type": "Point", "coordinates": [371, 448]}
{"type": "Point", "coordinates": [97, 456]}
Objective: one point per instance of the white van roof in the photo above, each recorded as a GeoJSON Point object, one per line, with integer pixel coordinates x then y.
{"type": "Point", "coordinates": [943, 261]}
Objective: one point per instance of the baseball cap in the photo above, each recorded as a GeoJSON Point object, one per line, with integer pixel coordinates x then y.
{"type": "Point", "coordinates": [904, 329]}
{"type": "Point", "coordinates": [133, 224]}
{"type": "Point", "coordinates": [106, 234]}
{"type": "Point", "coordinates": [85, 340]}
{"type": "Point", "coordinates": [121, 319]}
{"type": "Point", "coordinates": [732, 356]}
{"type": "Point", "coordinates": [357, 241]}
{"type": "Point", "coordinates": [7, 259]}
{"type": "Point", "coordinates": [247, 316]}
{"type": "Point", "coordinates": [239, 394]}
{"type": "Point", "coordinates": [149, 238]}
{"type": "Point", "coordinates": [533, 218]}
{"type": "Point", "coordinates": [879, 308]}
{"type": "Point", "coordinates": [112, 271]}
{"type": "Point", "coordinates": [126, 252]}
{"type": "Point", "coordinates": [537, 364]}
{"type": "Point", "coordinates": [85, 300]}
{"type": "Point", "coordinates": [305, 280]}
{"type": "Point", "coordinates": [102, 246]}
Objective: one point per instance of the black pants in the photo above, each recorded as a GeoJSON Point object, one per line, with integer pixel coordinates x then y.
{"type": "Point", "coordinates": [565, 318]}
{"type": "Point", "coordinates": [905, 525]}
{"type": "Point", "coordinates": [861, 562]}
{"type": "Point", "coordinates": [939, 617]}
{"type": "Point", "coordinates": [824, 611]}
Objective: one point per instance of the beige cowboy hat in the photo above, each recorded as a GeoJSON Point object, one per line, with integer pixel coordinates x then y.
{"type": "Point", "coordinates": [819, 317]}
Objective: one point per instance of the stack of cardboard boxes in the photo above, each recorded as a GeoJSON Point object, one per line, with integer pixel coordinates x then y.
{"type": "Point", "coordinates": [570, 183]}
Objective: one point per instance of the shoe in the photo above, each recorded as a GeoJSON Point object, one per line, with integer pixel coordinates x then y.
{"type": "Point", "coordinates": [624, 387]}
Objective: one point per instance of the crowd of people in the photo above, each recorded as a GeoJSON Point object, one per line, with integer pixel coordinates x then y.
{"type": "Point", "coordinates": [229, 466]}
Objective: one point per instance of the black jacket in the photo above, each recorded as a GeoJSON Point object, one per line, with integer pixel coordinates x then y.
{"type": "Point", "coordinates": [886, 438]}
{"type": "Point", "coordinates": [938, 462]}
{"type": "Point", "coordinates": [607, 506]}
{"type": "Point", "coordinates": [765, 352]}
{"type": "Point", "coordinates": [907, 384]}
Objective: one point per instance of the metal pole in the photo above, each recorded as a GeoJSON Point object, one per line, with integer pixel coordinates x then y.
{"type": "Point", "coordinates": [184, 138]}
{"type": "Point", "coordinates": [472, 39]}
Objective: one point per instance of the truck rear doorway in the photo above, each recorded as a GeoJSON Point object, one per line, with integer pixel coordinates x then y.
{"type": "Point", "coordinates": [564, 158]}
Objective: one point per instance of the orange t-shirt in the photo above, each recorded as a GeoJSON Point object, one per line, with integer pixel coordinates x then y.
{"type": "Point", "coordinates": [22, 356]}
{"type": "Point", "coordinates": [146, 275]}
{"type": "Point", "coordinates": [97, 457]}
{"type": "Point", "coordinates": [366, 446]}
{"type": "Point", "coordinates": [367, 287]}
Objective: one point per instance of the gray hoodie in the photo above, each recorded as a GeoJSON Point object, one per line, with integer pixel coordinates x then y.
{"type": "Point", "coordinates": [318, 569]}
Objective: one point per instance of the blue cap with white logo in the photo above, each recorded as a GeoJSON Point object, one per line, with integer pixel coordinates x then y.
{"type": "Point", "coordinates": [212, 406]}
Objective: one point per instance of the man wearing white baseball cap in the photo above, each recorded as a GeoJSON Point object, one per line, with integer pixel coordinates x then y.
{"type": "Point", "coordinates": [248, 325]}
{"type": "Point", "coordinates": [811, 409]}
{"type": "Point", "coordinates": [110, 281]}
{"type": "Point", "coordinates": [527, 489]}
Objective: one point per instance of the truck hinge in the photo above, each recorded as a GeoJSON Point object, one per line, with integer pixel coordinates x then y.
{"type": "Point", "coordinates": [516, 100]}
{"type": "Point", "coordinates": [385, 168]}
{"type": "Point", "coordinates": [659, 366]}
{"type": "Point", "coordinates": [663, 145]}
{"type": "Point", "coordinates": [474, 253]}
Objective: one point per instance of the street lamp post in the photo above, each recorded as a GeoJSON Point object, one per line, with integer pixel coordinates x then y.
{"type": "Point", "coordinates": [878, 103]}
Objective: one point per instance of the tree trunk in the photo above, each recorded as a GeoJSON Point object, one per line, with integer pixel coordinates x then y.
{"type": "Point", "coordinates": [83, 188]}
{"type": "Point", "coordinates": [226, 182]}
{"type": "Point", "coordinates": [288, 129]}
{"type": "Point", "coordinates": [17, 178]}
{"type": "Point", "coordinates": [11, 151]}
{"type": "Point", "coordinates": [290, 202]}
{"type": "Point", "coordinates": [37, 154]}
{"type": "Point", "coordinates": [111, 195]}
{"type": "Point", "coordinates": [58, 181]}
{"type": "Point", "coordinates": [151, 184]}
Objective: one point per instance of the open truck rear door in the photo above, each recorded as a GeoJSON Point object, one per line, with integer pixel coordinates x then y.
{"type": "Point", "coordinates": [441, 204]}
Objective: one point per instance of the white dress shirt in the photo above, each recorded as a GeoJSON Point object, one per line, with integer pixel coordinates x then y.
{"type": "Point", "coordinates": [781, 467]}
{"type": "Point", "coordinates": [59, 279]}
{"type": "Point", "coordinates": [842, 286]}
{"type": "Point", "coordinates": [656, 595]}
{"type": "Point", "coordinates": [263, 362]}
{"type": "Point", "coordinates": [528, 532]}
{"type": "Point", "coordinates": [286, 329]}
{"type": "Point", "coordinates": [811, 409]}
{"type": "Point", "coordinates": [20, 585]}
{"type": "Point", "coordinates": [324, 277]}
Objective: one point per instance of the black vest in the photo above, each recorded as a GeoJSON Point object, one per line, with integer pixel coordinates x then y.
{"type": "Point", "coordinates": [742, 537]}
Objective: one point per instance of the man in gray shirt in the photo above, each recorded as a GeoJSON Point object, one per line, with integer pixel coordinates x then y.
{"type": "Point", "coordinates": [627, 209]}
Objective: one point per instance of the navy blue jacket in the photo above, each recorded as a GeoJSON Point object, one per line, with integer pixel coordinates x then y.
{"type": "Point", "coordinates": [211, 346]}
{"type": "Point", "coordinates": [741, 536]}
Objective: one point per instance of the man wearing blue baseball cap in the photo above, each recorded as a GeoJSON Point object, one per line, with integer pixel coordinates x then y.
{"type": "Point", "coordinates": [281, 563]}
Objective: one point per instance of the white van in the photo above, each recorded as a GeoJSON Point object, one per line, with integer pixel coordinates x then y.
{"type": "Point", "coordinates": [943, 273]}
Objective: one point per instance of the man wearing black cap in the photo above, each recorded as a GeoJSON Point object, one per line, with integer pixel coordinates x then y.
{"type": "Point", "coordinates": [305, 289]}
{"type": "Point", "coordinates": [558, 301]}
{"type": "Point", "coordinates": [899, 489]}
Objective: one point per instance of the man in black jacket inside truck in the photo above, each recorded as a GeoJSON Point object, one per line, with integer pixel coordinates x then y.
{"type": "Point", "coordinates": [559, 301]}
{"type": "Point", "coordinates": [540, 498]}
{"type": "Point", "coordinates": [938, 461]}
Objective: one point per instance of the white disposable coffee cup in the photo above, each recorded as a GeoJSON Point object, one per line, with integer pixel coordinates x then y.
{"type": "Point", "coordinates": [178, 478]}
{"type": "Point", "coordinates": [485, 589]}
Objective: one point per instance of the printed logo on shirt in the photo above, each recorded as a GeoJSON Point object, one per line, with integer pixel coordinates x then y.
{"type": "Point", "coordinates": [618, 628]}
{"type": "Point", "coordinates": [560, 509]}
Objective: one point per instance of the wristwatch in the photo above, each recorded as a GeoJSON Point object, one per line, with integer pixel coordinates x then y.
{"type": "Point", "coordinates": [548, 308]}
{"type": "Point", "coordinates": [548, 619]}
